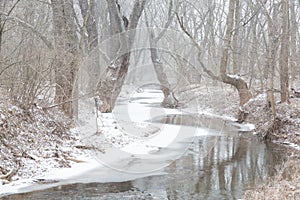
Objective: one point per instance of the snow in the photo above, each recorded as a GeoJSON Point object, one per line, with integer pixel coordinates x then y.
{"type": "Point", "coordinates": [234, 76]}
{"type": "Point", "coordinates": [290, 144]}
{"type": "Point", "coordinates": [224, 117]}
{"type": "Point", "coordinates": [133, 145]}
{"type": "Point", "coordinates": [244, 127]}
{"type": "Point", "coordinates": [24, 185]}
{"type": "Point", "coordinates": [136, 112]}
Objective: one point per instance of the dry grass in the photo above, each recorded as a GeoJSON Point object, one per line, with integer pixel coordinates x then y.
{"type": "Point", "coordinates": [286, 185]}
{"type": "Point", "coordinates": [32, 141]}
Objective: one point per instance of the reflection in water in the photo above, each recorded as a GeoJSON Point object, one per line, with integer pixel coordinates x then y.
{"type": "Point", "coordinates": [215, 167]}
{"type": "Point", "coordinates": [230, 167]}
{"type": "Point", "coordinates": [196, 120]}
{"type": "Point", "coordinates": [220, 165]}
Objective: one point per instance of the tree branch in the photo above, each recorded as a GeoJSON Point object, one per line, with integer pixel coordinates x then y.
{"type": "Point", "coordinates": [206, 70]}
{"type": "Point", "coordinates": [30, 27]}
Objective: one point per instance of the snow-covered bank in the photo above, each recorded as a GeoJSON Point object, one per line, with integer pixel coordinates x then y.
{"type": "Point", "coordinates": [114, 145]}
{"type": "Point", "coordinates": [223, 101]}
{"type": "Point", "coordinates": [129, 133]}
{"type": "Point", "coordinates": [51, 177]}
{"type": "Point", "coordinates": [34, 142]}
{"type": "Point", "coordinates": [284, 129]}
{"type": "Point", "coordinates": [124, 145]}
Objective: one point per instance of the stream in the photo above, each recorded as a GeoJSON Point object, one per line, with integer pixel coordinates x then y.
{"type": "Point", "coordinates": [220, 164]}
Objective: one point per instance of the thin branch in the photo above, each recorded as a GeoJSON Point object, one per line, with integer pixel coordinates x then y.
{"type": "Point", "coordinates": [7, 14]}
{"type": "Point", "coordinates": [170, 19]}
{"type": "Point", "coordinates": [44, 2]}
{"type": "Point", "coordinates": [8, 66]}
{"type": "Point", "coordinates": [207, 71]}
{"type": "Point", "coordinates": [30, 27]}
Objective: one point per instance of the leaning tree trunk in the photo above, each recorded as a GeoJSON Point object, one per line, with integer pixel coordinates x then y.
{"type": "Point", "coordinates": [65, 62]}
{"type": "Point", "coordinates": [237, 82]}
{"type": "Point", "coordinates": [110, 87]}
{"type": "Point", "coordinates": [169, 98]}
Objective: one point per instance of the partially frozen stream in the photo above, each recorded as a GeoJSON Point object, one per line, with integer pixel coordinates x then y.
{"type": "Point", "coordinates": [210, 158]}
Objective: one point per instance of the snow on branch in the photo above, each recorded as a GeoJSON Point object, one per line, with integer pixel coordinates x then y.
{"type": "Point", "coordinates": [234, 76]}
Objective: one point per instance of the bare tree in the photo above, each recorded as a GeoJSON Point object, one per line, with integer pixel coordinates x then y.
{"type": "Point", "coordinates": [284, 52]}
{"type": "Point", "coordinates": [90, 28]}
{"type": "Point", "coordinates": [271, 54]}
{"type": "Point", "coordinates": [293, 50]}
{"type": "Point", "coordinates": [237, 82]}
{"type": "Point", "coordinates": [169, 97]}
{"type": "Point", "coordinates": [88, 12]}
{"type": "Point", "coordinates": [111, 85]}
{"type": "Point", "coordinates": [234, 80]}
{"type": "Point", "coordinates": [25, 67]}
{"type": "Point", "coordinates": [4, 16]}
{"type": "Point", "coordinates": [66, 49]}
{"type": "Point", "coordinates": [235, 41]}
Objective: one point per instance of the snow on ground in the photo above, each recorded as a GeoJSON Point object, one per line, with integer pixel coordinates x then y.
{"type": "Point", "coordinates": [52, 176]}
{"type": "Point", "coordinates": [129, 127]}
{"type": "Point", "coordinates": [114, 139]}
{"type": "Point", "coordinates": [284, 129]}
{"type": "Point", "coordinates": [33, 142]}
{"type": "Point", "coordinates": [123, 141]}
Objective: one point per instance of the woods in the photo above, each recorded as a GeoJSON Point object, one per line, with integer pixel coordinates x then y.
{"type": "Point", "coordinates": [265, 30]}
{"type": "Point", "coordinates": [235, 58]}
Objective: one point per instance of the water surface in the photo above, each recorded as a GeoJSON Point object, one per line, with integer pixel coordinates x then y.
{"type": "Point", "coordinates": [222, 164]}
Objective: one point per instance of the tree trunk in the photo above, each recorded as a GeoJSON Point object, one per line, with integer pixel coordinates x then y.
{"type": "Point", "coordinates": [236, 62]}
{"type": "Point", "coordinates": [284, 53]}
{"type": "Point", "coordinates": [271, 58]}
{"type": "Point", "coordinates": [169, 100]}
{"type": "Point", "coordinates": [293, 43]}
{"type": "Point", "coordinates": [110, 87]}
{"type": "Point", "coordinates": [88, 12]}
{"type": "Point", "coordinates": [235, 81]}
{"type": "Point", "coordinates": [65, 63]}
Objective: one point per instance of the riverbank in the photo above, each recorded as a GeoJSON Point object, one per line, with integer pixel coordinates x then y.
{"type": "Point", "coordinates": [285, 185]}
{"type": "Point", "coordinates": [33, 141]}
{"type": "Point", "coordinates": [110, 139]}
{"type": "Point", "coordinates": [63, 156]}
{"type": "Point", "coordinates": [37, 146]}
{"type": "Point", "coordinates": [223, 100]}
{"type": "Point", "coordinates": [284, 130]}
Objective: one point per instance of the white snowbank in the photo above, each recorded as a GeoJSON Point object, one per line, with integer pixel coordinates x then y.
{"type": "Point", "coordinates": [52, 176]}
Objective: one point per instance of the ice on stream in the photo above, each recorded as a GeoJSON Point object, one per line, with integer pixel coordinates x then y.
{"type": "Point", "coordinates": [128, 136]}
